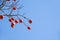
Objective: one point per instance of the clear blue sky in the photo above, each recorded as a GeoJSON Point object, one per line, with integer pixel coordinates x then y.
{"type": "Point", "coordinates": [46, 22]}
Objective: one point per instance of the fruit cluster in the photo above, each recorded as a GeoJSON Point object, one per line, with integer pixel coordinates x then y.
{"type": "Point", "coordinates": [14, 21]}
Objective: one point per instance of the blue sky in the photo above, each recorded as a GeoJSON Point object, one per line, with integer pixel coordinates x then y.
{"type": "Point", "coordinates": [46, 22]}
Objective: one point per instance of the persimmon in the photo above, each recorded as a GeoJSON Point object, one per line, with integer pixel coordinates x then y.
{"type": "Point", "coordinates": [12, 25]}
{"type": "Point", "coordinates": [20, 20]}
{"type": "Point", "coordinates": [12, 19]}
{"type": "Point", "coordinates": [14, 8]}
{"type": "Point", "coordinates": [16, 21]}
{"type": "Point", "coordinates": [1, 16]}
{"type": "Point", "coordinates": [30, 21]}
{"type": "Point", "coordinates": [28, 28]}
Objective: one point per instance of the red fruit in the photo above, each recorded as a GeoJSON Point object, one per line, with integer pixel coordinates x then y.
{"type": "Point", "coordinates": [14, 8]}
{"type": "Point", "coordinates": [30, 21]}
{"type": "Point", "coordinates": [20, 20]}
{"type": "Point", "coordinates": [1, 16]}
{"type": "Point", "coordinates": [16, 21]}
{"type": "Point", "coordinates": [28, 28]}
{"type": "Point", "coordinates": [12, 19]}
{"type": "Point", "coordinates": [12, 25]}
